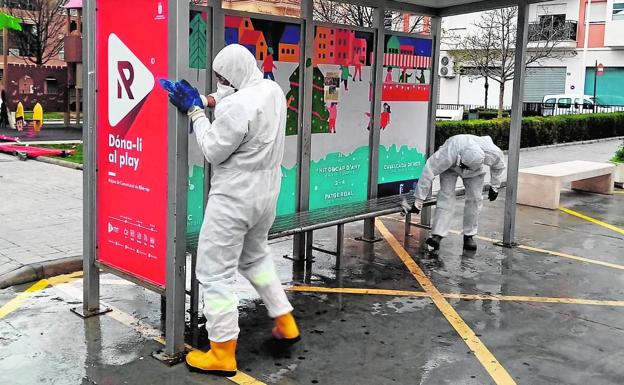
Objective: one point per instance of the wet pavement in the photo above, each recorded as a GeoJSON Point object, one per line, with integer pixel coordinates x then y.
{"type": "Point", "coordinates": [397, 335]}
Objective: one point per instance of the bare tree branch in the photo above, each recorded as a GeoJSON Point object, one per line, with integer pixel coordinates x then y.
{"type": "Point", "coordinates": [43, 26]}
{"type": "Point", "coordinates": [491, 47]}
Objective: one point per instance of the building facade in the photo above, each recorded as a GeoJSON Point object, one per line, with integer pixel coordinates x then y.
{"type": "Point", "coordinates": [571, 73]}
{"type": "Point", "coordinates": [51, 83]}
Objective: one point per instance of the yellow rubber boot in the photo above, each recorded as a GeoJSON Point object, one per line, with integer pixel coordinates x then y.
{"type": "Point", "coordinates": [286, 329]}
{"type": "Point", "coordinates": [219, 360]}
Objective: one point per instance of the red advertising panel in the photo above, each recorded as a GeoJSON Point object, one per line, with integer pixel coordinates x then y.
{"type": "Point", "coordinates": [131, 43]}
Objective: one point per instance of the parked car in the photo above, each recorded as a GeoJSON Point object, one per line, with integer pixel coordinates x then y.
{"type": "Point", "coordinates": [568, 104]}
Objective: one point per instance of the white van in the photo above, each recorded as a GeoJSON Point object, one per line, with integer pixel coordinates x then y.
{"type": "Point", "coordinates": [567, 104]}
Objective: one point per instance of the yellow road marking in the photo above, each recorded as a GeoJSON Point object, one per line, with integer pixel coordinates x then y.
{"type": "Point", "coordinates": [16, 302]}
{"type": "Point", "coordinates": [483, 354]}
{"type": "Point", "coordinates": [554, 253]}
{"type": "Point", "coordinates": [475, 297]}
{"type": "Point", "coordinates": [398, 293]}
{"type": "Point", "coordinates": [148, 331]}
{"type": "Point", "coordinates": [592, 220]}
{"type": "Point", "coordinates": [544, 251]}
{"type": "Point", "coordinates": [573, 257]}
{"type": "Point", "coordinates": [519, 298]}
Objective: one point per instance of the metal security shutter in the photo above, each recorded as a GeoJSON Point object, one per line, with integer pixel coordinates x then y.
{"type": "Point", "coordinates": [544, 81]}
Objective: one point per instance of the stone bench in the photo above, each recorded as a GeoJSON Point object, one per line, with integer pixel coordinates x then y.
{"type": "Point", "coordinates": [541, 186]}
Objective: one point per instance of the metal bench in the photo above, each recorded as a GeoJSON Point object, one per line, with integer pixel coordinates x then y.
{"type": "Point", "coordinates": [306, 222]}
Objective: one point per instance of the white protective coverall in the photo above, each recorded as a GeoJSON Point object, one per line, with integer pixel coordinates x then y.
{"type": "Point", "coordinates": [244, 144]}
{"type": "Point", "coordinates": [473, 152]}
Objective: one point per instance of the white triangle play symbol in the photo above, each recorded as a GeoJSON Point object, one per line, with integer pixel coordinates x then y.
{"type": "Point", "coordinates": [129, 81]}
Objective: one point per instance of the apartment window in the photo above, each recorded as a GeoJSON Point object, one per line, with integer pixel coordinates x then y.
{"type": "Point", "coordinates": [618, 10]}
{"type": "Point", "coordinates": [598, 12]}
{"type": "Point", "coordinates": [19, 4]}
{"type": "Point", "coordinates": [553, 21]}
{"type": "Point", "coordinates": [24, 41]}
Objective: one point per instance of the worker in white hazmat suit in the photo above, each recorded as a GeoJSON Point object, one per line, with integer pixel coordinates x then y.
{"type": "Point", "coordinates": [460, 156]}
{"type": "Point", "coordinates": [244, 144]}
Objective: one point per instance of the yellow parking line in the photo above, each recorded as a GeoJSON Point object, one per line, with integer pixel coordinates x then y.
{"type": "Point", "coordinates": [483, 354]}
{"type": "Point", "coordinates": [475, 297]}
{"type": "Point", "coordinates": [573, 257]}
{"type": "Point", "coordinates": [344, 290]}
{"type": "Point", "coordinates": [17, 302]}
{"type": "Point", "coordinates": [519, 298]}
{"type": "Point", "coordinates": [147, 331]}
{"type": "Point", "coordinates": [554, 253]}
{"type": "Point", "coordinates": [544, 251]}
{"type": "Point", "coordinates": [592, 220]}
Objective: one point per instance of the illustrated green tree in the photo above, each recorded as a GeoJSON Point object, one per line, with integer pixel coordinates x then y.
{"type": "Point", "coordinates": [320, 115]}
{"type": "Point", "coordinates": [292, 103]}
{"type": "Point", "coordinates": [197, 42]}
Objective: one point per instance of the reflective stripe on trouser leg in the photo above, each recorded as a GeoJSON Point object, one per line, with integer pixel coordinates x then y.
{"type": "Point", "coordinates": [256, 264]}
{"type": "Point", "coordinates": [217, 279]}
{"type": "Point", "coordinates": [219, 249]}
{"type": "Point", "coordinates": [445, 205]}
{"type": "Point", "coordinates": [473, 204]}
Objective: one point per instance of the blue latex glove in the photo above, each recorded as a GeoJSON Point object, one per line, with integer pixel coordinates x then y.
{"type": "Point", "coordinates": [182, 95]}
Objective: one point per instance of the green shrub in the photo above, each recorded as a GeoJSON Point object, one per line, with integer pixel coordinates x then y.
{"type": "Point", "coordinates": [538, 131]}
{"type": "Point", "coordinates": [486, 114]}
{"type": "Point", "coordinates": [619, 155]}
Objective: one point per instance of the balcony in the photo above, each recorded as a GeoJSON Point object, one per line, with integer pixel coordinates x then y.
{"type": "Point", "coordinates": [73, 48]}
{"type": "Point", "coordinates": [564, 33]}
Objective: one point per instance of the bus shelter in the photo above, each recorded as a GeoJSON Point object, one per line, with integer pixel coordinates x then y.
{"type": "Point", "coordinates": [361, 124]}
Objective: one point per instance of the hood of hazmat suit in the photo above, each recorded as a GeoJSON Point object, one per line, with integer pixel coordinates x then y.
{"type": "Point", "coordinates": [470, 150]}
{"type": "Point", "coordinates": [247, 134]}
{"type": "Point", "coordinates": [244, 144]}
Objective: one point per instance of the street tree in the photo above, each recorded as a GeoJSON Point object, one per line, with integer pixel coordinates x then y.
{"type": "Point", "coordinates": [43, 28]}
{"type": "Point", "coordinates": [490, 46]}
{"type": "Point", "coordinates": [357, 15]}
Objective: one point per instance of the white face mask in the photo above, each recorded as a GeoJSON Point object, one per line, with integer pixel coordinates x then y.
{"type": "Point", "coordinates": [223, 91]}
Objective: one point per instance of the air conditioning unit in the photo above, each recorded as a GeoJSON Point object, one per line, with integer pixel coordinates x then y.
{"type": "Point", "coordinates": [447, 67]}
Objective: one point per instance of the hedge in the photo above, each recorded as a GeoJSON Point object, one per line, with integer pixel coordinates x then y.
{"type": "Point", "coordinates": [488, 114]}
{"type": "Point", "coordinates": [538, 131]}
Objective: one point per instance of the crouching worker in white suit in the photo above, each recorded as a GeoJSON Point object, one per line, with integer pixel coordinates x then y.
{"type": "Point", "coordinates": [460, 156]}
{"type": "Point", "coordinates": [245, 145]}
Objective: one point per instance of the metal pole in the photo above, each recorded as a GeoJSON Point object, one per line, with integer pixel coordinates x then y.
{"type": "Point", "coordinates": [91, 276]}
{"type": "Point", "coordinates": [5, 53]}
{"type": "Point", "coordinates": [595, 83]}
{"type": "Point", "coordinates": [375, 109]}
{"type": "Point", "coordinates": [516, 125]}
{"type": "Point", "coordinates": [586, 44]}
{"type": "Point", "coordinates": [177, 187]}
{"type": "Point", "coordinates": [434, 92]}
{"type": "Point", "coordinates": [306, 77]}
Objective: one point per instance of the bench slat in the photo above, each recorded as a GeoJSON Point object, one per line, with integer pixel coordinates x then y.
{"type": "Point", "coordinates": [286, 225]}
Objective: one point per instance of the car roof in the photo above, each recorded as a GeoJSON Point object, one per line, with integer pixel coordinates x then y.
{"type": "Point", "coordinates": [559, 96]}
